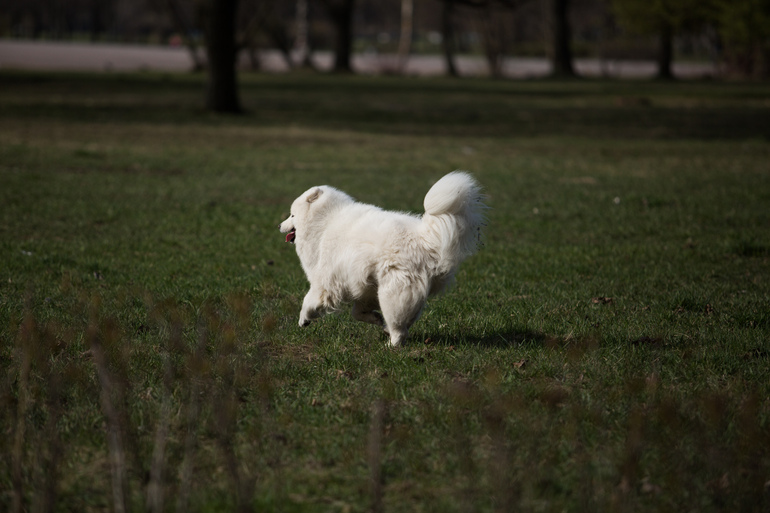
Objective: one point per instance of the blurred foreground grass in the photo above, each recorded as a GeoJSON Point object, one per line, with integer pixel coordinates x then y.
{"type": "Point", "coordinates": [607, 350]}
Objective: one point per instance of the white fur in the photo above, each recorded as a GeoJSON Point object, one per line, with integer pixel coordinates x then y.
{"type": "Point", "coordinates": [386, 263]}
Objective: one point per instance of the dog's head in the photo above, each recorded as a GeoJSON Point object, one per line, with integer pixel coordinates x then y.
{"type": "Point", "coordinates": [300, 211]}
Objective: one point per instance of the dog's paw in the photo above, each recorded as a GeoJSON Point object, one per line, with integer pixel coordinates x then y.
{"type": "Point", "coordinates": [397, 337]}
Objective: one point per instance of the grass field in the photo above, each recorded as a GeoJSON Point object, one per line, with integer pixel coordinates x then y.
{"type": "Point", "coordinates": [608, 349]}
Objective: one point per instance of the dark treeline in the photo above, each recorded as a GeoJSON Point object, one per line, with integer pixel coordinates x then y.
{"type": "Point", "coordinates": [733, 33]}
{"type": "Point", "coordinates": [736, 33]}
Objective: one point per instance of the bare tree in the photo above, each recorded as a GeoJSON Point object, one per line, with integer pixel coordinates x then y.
{"type": "Point", "coordinates": [665, 52]}
{"type": "Point", "coordinates": [405, 39]}
{"type": "Point", "coordinates": [341, 13]}
{"type": "Point", "coordinates": [651, 18]}
{"type": "Point", "coordinates": [744, 31]}
{"type": "Point", "coordinates": [497, 28]}
{"type": "Point", "coordinates": [560, 35]}
{"type": "Point", "coordinates": [271, 18]}
{"type": "Point", "coordinates": [302, 33]}
{"type": "Point", "coordinates": [221, 51]}
{"type": "Point", "coordinates": [664, 19]}
{"type": "Point", "coordinates": [448, 36]}
{"type": "Point", "coordinates": [496, 20]}
{"type": "Point", "coordinates": [185, 27]}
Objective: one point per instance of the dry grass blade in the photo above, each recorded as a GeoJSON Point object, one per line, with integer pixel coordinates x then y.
{"type": "Point", "coordinates": [155, 488]}
{"type": "Point", "coordinates": [52, 451]}
{"type": "Point", "coordinates": [25, 342]}
{"type": "Point", "coordinates": [118, 467]}
{"type": "Point", "coordinates": [192, 420]}
{"type": "Point", "coordinates": [374, 455]}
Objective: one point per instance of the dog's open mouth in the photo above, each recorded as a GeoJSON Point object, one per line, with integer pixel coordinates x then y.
{"type": "Point", "coordinates": [291, 235]}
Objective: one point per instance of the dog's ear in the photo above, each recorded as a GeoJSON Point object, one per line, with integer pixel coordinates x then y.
{"type": "Point", "coordinates": [314, 195]}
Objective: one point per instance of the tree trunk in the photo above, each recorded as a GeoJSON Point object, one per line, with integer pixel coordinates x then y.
{"type": "Point", "coordinates": [666, 52]}
{"type": "Point", "coordinates": [448, 36]}
{"type": "Point", "coordinates": [405, 41]}
{"type": "Point", "coordinates": [493, 38]}
{"type": "Point", "coordinates": [561, 58]}
{"type": "Point", "coordinates": [302, 39]}
{"type": "Point", "coordinates": [96, 20]}
{"type": "Point", "coordinates": [341, 12]}
{"type": "Point", "coordinates": [221, 50]}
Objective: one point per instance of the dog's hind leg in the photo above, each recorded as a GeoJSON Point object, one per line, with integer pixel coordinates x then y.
{"type": "Point", "coordinates": [401, 307]}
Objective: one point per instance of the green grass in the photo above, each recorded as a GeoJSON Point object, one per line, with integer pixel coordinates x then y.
{"type": "Point", "coordinates": [608, 349]}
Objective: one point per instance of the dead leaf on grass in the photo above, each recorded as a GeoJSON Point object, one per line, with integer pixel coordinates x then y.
{"type": "Point", "coordinates": [344, 374]}
{"type": "Point", "coordinates": [650, 488]}
{"type": "Point", "coordinates": [719, 484]}
{"type": "Point", "coordinates": [520, 364]}
{"type": "Point", "coordinates": [602, 300]}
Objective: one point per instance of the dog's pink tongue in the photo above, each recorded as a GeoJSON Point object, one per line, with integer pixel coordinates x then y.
{"type": "Point", "coordinates": [290, 236]}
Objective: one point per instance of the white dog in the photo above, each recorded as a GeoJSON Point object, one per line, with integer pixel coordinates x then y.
{"type": "Point", "coordinates": [386, 263]}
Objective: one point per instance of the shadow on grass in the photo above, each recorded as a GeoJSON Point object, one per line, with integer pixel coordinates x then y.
{"type": "Point", "coordinates": [400, 106]}
{"type": "Point", "coordinates": [513, 337]}
{"type": "Point", "coordinates": [751, 249]}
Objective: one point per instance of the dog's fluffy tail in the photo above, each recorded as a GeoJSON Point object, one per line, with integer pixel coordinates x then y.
{"type": "Point", "coordinates": [454, 216]}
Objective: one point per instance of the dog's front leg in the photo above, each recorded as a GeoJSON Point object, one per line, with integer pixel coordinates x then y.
{"type": "Point", "coordinates": [311, 307]}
